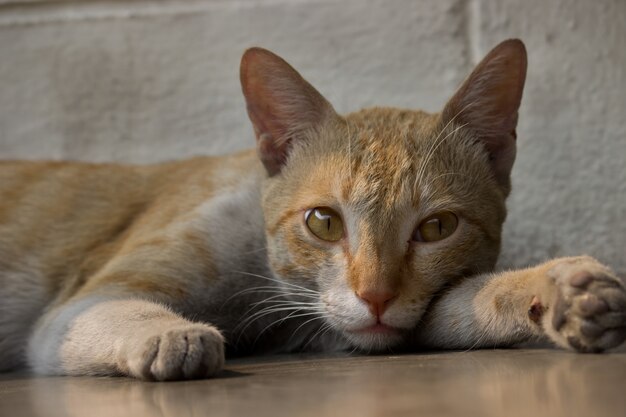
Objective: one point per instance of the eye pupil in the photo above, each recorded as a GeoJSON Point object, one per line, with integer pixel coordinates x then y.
{"type": "Point", "coordinates": [324, 223]}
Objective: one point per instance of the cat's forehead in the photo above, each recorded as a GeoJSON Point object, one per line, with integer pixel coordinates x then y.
{"type": "Point", "coordinates": [386, 153]}
{"type": "Point", "coordinates": [379, 163]}
{"type": "Point", "coordinates": [386, 139]}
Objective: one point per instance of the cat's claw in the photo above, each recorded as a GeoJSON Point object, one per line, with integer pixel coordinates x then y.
{"type": "Point", "coordinates": [184, 352]}
{"type": "Point", "coordinates": [587, 312]}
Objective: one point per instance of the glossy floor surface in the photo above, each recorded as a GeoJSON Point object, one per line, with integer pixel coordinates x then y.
{"type": "Point", "coordinates": [528, 383]}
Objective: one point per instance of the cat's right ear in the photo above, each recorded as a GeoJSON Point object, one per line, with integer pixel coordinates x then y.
{"type": "Point", "coordinates": [281, 105]}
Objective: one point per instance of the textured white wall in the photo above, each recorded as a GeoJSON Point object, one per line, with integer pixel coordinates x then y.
{"type": "Point", "coordinates": [142, 81]}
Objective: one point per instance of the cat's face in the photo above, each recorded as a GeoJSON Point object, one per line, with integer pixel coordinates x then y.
{"type": "Point", "coordinates": [344, 218]}
{"type": "Point", "coordinates": [377, 211]}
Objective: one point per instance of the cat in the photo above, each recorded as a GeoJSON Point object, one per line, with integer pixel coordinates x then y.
{"type": "Point", "coordinates": [372, 231]}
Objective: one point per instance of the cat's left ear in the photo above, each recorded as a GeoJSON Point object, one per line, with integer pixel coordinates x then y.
{"type": "Point", "coordinates": [488, 102]}
{"type": "Point", "coordinates": [281, 105]}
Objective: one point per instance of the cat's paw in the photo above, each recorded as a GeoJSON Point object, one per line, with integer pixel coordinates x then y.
{"type": "Point", "coordinates": [587, 310]}
{"type": "Point", "coordinates": [183, 351]}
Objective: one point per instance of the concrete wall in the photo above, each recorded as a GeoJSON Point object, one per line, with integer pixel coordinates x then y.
{"type": "Point", "coordinates": [142, 81]}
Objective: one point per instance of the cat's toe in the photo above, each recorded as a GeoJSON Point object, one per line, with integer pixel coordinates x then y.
{"type": "Point", "coordinates": [589, 307]}
{"type": "Point", "coordinates": [187, 352]}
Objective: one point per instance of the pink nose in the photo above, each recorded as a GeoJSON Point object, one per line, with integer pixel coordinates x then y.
{"type": "Point", "coordinates": [377, 301]}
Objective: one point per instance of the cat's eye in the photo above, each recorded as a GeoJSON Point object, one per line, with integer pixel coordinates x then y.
{"type": "Point", "coordinates": [436, 227]}
{"type": "Point", "coordinates": [324, 223]}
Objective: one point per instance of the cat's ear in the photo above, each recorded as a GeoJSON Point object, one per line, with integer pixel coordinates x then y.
{"type": "Point", "coordinates": [488, 102]}
{"type": "Point", "coordinates": [281, 105]}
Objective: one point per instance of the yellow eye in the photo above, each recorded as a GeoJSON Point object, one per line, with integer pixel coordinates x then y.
{"type": "Point", "coordinates": [324, 223]}
{"type": "Point", "coordinates": [436, 227]}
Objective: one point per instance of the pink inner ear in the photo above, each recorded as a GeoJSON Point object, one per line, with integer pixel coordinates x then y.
{"type": "Point", "coordinates": [280, 103]}
{"type": "Point", "coordinates": [272, 149]}
{"type": "Point", "coordinates": [488, 103]}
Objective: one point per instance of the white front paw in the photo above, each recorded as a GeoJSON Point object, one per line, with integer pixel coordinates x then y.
{"type": "Point", "coordinates": [182, 351]}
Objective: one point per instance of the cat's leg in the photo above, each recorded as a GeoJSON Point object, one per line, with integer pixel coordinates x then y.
{"type": "Point", "coordinates": [100, 335]}
{"type": "Point", "coordinates": [577, 303]}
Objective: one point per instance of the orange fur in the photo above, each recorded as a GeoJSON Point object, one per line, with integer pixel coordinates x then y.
{"type": "Point", "coordinates": [112, 261]}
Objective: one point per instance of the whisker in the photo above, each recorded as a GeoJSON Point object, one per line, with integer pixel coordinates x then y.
{"type": "Point", "coordinates": [254, 251]}
{"type": "Point", "coordinates": [433, 149]}
{"type": "Point", "coordinates": [270, 289]}
{"type": "Point", "coordinates": [289, 284]}
{"type": "Point", "coordinates": [425, 161]}
{"type": "Point", "coordinates": [421, 167]}
{"type": "Point", "coordinates": [277, 303]}
{"type": "Point", "coordinates": [290, 316]}
{"type": "Point", "coordinates": [280, 292]}
{"type": "Point", "coordinates": [285, 302]}
{"type": "Point", "coordinates": [305, 323]}
{"type": "Point", "coordinates": [258, 315]}
{"type": "Point", "coordinates": [272, 309]}
{"type": "Point", "coordinates": [280, 306]}
{"type": "Point", "coordinates": [323, 330]}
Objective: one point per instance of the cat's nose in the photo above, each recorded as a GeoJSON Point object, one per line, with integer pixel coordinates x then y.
{"type": "Point", "coordinates": [377, 301]}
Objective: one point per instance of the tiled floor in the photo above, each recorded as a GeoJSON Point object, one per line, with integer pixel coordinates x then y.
{"type": "Point", "coordinates": [528, 383]}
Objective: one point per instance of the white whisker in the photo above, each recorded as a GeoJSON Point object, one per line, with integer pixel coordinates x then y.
{"type": "Point", "coordinates": [270, 310]}
{"type": "Point", "coordinates": [303, 324]}
{"type": "Point", "coordinates": [290, 316]}
{"type": "Point", "coordinates": [289, 284]}
{"type": "Point", "coordinates": [433, 149]}
{"type": "Point", "coordinates": [277, 303]}
{"type": "Point", "coordinates": [255, 251]}
{"type": "Point", "coordinates": [280, 292]}
{"type": "Point", "coordinates": [325, 328]}
{"type": "Point", "coordinates": [265, 312]}
{"type": "Point", "coordinates": [422, 168]}
{"type": "Point", "coordinates": [272, 299]}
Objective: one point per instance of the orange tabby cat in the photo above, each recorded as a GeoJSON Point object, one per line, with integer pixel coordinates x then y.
{"type": "Point", "coordinates": [372, 230]}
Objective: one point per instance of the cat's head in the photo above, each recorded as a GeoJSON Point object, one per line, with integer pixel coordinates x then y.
{"type": "Point", "coordinates": [379, 210]}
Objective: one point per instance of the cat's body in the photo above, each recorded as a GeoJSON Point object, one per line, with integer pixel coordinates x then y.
{"type": "Point", "coordinates": [373, 230]}
{"type": "Point", "coordinates": [90, 221]}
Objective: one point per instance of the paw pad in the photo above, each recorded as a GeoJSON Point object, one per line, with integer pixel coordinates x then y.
{"type": "Point", "coordinates": [589, 307]}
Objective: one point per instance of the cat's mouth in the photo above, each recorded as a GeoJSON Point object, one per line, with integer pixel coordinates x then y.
{"type": "Point", "coordinates": [378, 328]}
{"type": "Point", "coordinates": [375, 337]}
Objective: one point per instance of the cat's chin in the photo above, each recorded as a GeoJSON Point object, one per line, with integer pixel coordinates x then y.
{"type": "Point", "coordinates": [375, 338]}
